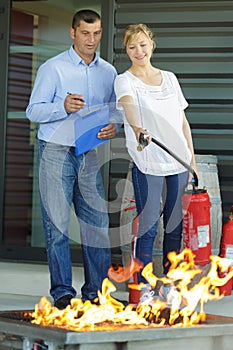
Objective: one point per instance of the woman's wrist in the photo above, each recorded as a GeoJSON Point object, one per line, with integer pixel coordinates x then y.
{"type": "Point", "coordinates": [135, 128]}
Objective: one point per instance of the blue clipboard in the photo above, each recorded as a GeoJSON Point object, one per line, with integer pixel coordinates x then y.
{"type": "Point", "coordinates": [87, 128]}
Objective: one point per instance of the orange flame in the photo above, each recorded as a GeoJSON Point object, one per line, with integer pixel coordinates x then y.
{"type": "Point", "coordinates": [191, 287]}
{"type": "Point", "coordinates": [122, 274]}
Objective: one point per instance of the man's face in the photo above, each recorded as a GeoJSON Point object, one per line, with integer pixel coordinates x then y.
{"type": "Point", "coordinates": [86, 39]}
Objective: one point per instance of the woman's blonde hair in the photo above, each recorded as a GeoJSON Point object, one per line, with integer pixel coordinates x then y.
{"type": "Point", "coordinates": [134, 30]}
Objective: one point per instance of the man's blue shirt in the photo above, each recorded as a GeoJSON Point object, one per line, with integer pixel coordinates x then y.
{"type": "Point", "coordinates": [62, 74]}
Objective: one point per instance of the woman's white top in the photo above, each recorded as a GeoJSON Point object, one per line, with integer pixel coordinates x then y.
{"type": "Point", "coordinates": [160, 113]}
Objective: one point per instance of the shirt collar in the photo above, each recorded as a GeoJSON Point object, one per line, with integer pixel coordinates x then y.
{"type": "Point", "coordinates": [77, 59]}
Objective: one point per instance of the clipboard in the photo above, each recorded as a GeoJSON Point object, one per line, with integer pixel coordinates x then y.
{"type": "Point", "coordinates": [87, 128]}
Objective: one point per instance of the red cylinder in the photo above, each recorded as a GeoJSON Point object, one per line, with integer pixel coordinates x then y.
{"type": "Point", "coordinates": [134, 294]}
{"type": "Point", "coordinates": [227, 287]}
{"type": "Point", "coordinates": [226, 250]}
{"type": "Point", "coordinates": [196, 224]}
{"type": "Point", "coordinates": [135, 227]}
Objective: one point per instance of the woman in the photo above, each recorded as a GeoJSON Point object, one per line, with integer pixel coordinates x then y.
{"type": "Point", "coordinates": [153, 104]}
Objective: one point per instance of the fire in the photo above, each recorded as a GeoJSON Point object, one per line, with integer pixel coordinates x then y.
{"type": "Point", "coordinates": [121, 274]}
{"type": "Point", "coordinates": [192, 286]}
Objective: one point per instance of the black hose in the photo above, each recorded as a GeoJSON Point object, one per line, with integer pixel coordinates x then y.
{"type": "Point", "coordinates": [143, 141]}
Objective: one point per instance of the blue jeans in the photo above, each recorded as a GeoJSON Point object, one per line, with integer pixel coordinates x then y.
{"type": "Point", "coordinates": [66, 179]}
{"type": "Point", "coordinates": [149, 190]}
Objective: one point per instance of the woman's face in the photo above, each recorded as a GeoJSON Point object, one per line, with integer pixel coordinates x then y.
{"type": "Point", "coordinates": [140, 49]}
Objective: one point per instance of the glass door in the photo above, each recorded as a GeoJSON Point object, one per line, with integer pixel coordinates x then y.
{"type": "Point", "coordinates": [39, 30]}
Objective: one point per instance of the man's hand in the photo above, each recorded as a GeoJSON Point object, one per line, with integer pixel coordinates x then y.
{"type": "Point", "coordinates": [73, 103]}
{"type": "Point", "coordinates": [108, 132]}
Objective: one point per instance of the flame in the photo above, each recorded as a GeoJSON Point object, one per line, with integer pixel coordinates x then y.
{"type": "Point", "coordinates": [122, 274]}
{"type": "Point", "coordinates": [189, 288]}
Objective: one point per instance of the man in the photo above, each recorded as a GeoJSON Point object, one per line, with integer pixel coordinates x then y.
{"type": "Point", "coordinates": [66, 85]}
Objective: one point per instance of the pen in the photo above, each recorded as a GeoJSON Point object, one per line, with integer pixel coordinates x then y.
{"type": "Point", "coordinates": [79, 99]}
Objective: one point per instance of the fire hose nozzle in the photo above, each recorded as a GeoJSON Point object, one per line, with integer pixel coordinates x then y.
{"type": "Point", "coordinates": [143, 142]}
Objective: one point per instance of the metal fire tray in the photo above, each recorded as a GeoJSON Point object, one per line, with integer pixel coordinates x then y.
{"type": "Point", "coordinates": [17, 333]}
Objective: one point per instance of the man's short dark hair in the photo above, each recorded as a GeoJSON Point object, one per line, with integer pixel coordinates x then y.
{"type": "Point", "coordinates": [88, 16]}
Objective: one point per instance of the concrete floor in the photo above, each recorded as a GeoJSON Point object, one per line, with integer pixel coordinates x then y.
{"type": "Point", "coordinates": [23, 284]}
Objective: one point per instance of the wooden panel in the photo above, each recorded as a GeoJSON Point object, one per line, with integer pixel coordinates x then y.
{"type": "Point", "coordinates": [213, 140]}
{"type": "Point", "coordinates": [185, 12]}
{"type": "Point", "coordinates": [19, 152]}
{"type": "Point", "coordinates": [20, 65]}
{"type": "Point", "coordinates": [18, 183]}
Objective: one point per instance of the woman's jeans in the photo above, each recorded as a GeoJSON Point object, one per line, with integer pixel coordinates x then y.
{"type": "Point", "coordinates": [149, 190]}
{"type": "Point", "coordinates": [66, 179]}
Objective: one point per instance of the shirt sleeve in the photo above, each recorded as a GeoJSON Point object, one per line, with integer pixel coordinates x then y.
{"type": "Point", "coordinates": [122, 87]}
{"type": "Point", "coordinates": [44, 104]}
{"type": "Point", "coordinates": [182, 101]}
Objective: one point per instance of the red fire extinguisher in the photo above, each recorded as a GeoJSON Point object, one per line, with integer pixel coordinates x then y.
{"type": "Point", "coordinates": [196, 224]}
{"type": "Point", "coordinates": [226, 250]}
{"type": "Point", "coordinates": [134, 294]}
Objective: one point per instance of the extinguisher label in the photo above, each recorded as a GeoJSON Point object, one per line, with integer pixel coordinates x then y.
{"type": "Point", "coordinates": [203, 236]}
{"type": "Point", "coordinates": [229, 252]}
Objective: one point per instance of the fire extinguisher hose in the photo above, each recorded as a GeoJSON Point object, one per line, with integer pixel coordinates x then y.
{"type": "Point", "coordinates": [144, 142]}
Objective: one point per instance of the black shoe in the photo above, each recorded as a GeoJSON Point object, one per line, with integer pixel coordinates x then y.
{"type": "Point", "coordinates": [62, 302]}
{"type": "Point", "coordinates": [124, 302]}
{"type": "Point", "coordinates": [94, 301]}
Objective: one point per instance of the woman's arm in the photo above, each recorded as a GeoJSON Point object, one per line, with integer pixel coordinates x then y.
{"type": "Point", "coordinates": [131, 114]}
{"type": "Point", "coordinates": [188, 136]}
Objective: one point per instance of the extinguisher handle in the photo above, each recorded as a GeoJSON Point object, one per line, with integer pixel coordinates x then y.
{"type": "Point", "coordinates": [142, 141]}
{"type": "Point", "coordinates": [194, 179]}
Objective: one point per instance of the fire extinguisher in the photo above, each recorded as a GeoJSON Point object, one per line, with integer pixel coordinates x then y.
{"type": "Point", "coordinates": [226, 247]}
{"type": "Point", "coordinates": [134, 294]}
{"type": "Point", "coordinates": [226, 250]}
{"type": "Point", "coordinates": [196, 224]}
